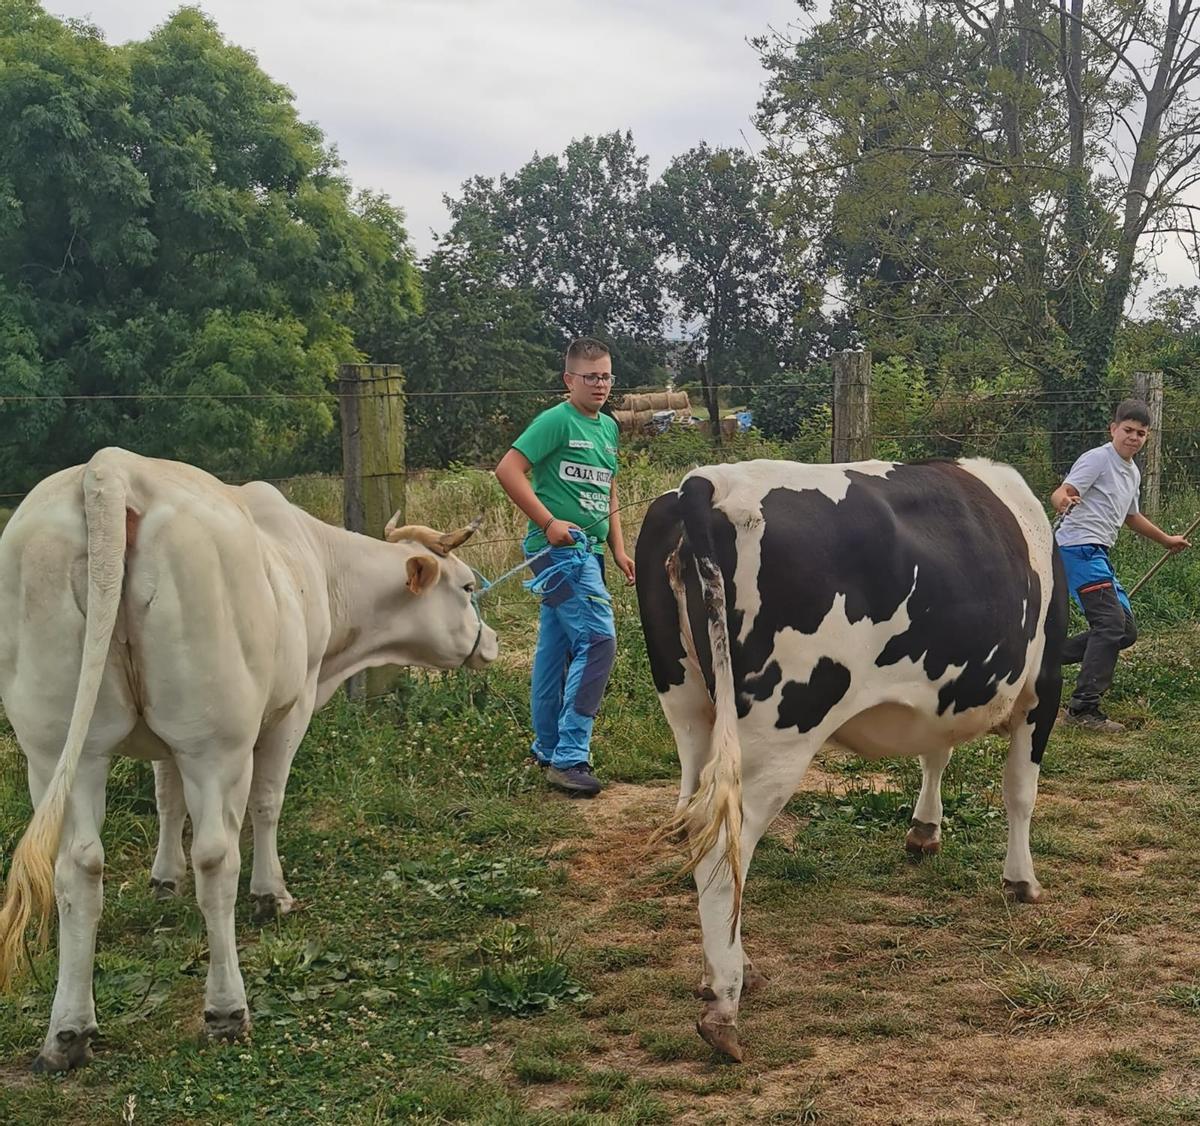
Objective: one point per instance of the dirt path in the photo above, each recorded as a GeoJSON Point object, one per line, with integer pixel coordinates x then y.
{"type": "Point", "coordinates": [869, 1017]}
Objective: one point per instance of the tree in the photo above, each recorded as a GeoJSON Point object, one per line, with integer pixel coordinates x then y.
{"type": "Point", "coordinates": [478, 362]}
{"type": "Point", "coordinates": [983, 179]}
{"type": "Point", "coordinates": [713, 216]}
{"type": "Point", "coordinates": [170, 232]}
{"type": "Point", "coordinates": [574, 232]}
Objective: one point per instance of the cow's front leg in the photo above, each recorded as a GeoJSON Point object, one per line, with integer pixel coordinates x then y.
{"type": "Point", "coordinates": [170, 864]}
{"type": "Point", "coordinates": [925, 835]}
{"type": "Point", "coordinates": [1020, 793]}
{"type": "Point", "coordinates": [79, 889]}
{"type": "Point", "coordinates": [216, 786]}
{"type": "Point", "coordinates": [272, 764]}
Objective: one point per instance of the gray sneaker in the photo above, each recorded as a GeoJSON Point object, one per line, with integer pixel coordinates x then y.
{"type": "Point", "coordinates": [1092, 719]}
{"type": "Point", "coordinates": [577, 779]}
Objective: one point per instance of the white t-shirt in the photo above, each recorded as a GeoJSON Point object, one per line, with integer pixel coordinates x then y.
{"type": "Point", "coordinates": [1108, 489]}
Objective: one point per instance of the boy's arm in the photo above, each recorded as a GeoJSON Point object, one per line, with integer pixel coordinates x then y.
{"type": "Point", "coordinates": [1081, 476]}
{"type": "Point", "coordinates": [616, 541]}
{"type": "Point", "coordinates": [1136, 522]}
{"type": "Point", "coordinates": [511, 473]}
{"type": "Point", "coordinates": [1064, 498]}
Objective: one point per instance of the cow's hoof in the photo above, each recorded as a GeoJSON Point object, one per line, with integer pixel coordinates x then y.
{"type": "Point", "coordinates": [73, 1049]}
{"type": "Point", "coordinates": [232, 1025]}
{"type": "Point", "coordinates": [753, 980]}
{"type": "Point", "coordinates": [722, 1037]}
{"type": "Point", "coordinates": [264, 908]}
{"type": "Point", "coordinates": [269, 905]}
{"type": "Point", "coordinates": [163, 889]}
{"type": "Point", "coordinates": [923, 840]}
{"type": "Point", "coordinates": [1024, 891]}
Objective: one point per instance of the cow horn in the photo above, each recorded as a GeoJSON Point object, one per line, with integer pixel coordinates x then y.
{"type": "Point", "coordinates": [440, 542]}
{"type": "Point", "coordinates": [457, 539]}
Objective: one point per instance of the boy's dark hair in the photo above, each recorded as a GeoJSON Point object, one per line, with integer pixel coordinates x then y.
{"type": "Point", "coordinates": [586, 348]}
{"type": "Point", "coordinates": [1132, 410]}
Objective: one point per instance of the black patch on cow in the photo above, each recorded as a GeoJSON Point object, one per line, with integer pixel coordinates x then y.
{"type": "Point", "coordinates": [760, 685]}
{"type": "Point", "coordinates": [1049, 681]}
{"type": "Point", "coordinates": [931, 523]}
{"type": "Point", "coordinates": [659, 537]}
{"type": "Point", "coordinates": [803, 706]}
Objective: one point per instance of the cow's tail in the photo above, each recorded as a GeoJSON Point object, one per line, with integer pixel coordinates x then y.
{"type": "Point", "coordinates": [716, 807]}
{"type": "Point", "coordinates": [30, 891]}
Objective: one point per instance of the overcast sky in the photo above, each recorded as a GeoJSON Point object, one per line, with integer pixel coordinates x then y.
{"type": "Point", "coordinates": [418, 95]}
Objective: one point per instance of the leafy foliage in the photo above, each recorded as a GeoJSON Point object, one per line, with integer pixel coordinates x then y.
{"type": "Point", "coordinates": [959, 171]}
{"type": "Point", "coordinates": [173, 234]}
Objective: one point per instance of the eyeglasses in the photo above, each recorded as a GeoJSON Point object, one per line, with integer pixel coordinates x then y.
{"type": "Point", "coordinates": [592, 378]}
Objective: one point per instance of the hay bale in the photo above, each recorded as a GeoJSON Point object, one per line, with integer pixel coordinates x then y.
{"type": "Point", "coordinates": [634, 421]}
{"type": "Point", "coordinates": [657, 401]}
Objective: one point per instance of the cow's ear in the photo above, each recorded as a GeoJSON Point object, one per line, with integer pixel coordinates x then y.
{"type": "Point", "coordinates": [422, 573]}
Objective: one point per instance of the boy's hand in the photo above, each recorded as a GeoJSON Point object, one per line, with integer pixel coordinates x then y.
{"type": "Point", "coordinates": [1176, 544]}
{"type": "Point", "coordinates": [1068, 503]}
{"type": "Point", "coordinates": [558, 533]}
{"type": "Point", "coordinates": [626, 564]}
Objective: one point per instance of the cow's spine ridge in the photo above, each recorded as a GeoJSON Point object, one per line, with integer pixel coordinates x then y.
{"type": "Point", "coordinates": [716, 806]}
{"type": "Point", "coordinates": [31, 878]}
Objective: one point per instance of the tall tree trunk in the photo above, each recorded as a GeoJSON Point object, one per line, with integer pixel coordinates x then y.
{"type": "Point", "coordinates": [1077, 412]}
{"type": "Point", "coordinates": [711, 371]}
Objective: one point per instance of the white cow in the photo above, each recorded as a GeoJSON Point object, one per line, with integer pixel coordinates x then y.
{"type": "Point", "coordinates": [148, 609]}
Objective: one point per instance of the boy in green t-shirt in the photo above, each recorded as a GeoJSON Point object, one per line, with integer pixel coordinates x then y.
{"type": "Point", "coordinates": [572, 450]}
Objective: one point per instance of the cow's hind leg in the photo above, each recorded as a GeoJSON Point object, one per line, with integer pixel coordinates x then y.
{"type": "Point", "coordinates": [925, 835]}
{"type": "Point", "coordinates": [688, 708]}
{"type": "Point", "coordinates": [79, 889]}
{"type": "Point", "coordinates": [762, 799]}
{"type": "Point", "coordinates": [689, 711]}
{"type": "Point", "coordinates": [170, 864]}
{"type": "Point", "coordinates": [216, 786]}
{"type": "Point", "coordinates": [272, 764]}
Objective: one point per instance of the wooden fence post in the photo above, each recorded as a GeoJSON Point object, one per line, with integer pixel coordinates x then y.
{"type": "Point", "coordinates": [851, 406]}
{"type": "Point", "coordinates": [372, 410]}
{"type": "Point", "coordinates": [1148, 386]}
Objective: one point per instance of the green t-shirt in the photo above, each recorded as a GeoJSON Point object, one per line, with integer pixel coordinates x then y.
{"type": "Point", "coordinates": [574, 458]}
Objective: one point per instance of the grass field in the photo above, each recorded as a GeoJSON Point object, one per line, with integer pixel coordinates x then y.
{"type": "Point", "coordinates": [469, 947]}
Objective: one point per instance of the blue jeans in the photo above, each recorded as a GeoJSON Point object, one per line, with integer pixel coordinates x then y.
{"type": "Point", "coordinates": [577, 641]}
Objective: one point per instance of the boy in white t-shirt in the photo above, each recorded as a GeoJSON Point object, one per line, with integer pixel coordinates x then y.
{"type": "Point", "coordinates": [1100, 494]}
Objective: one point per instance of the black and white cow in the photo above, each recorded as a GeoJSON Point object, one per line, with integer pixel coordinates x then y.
{"type": "Point", "coordinates": [889, 609]}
